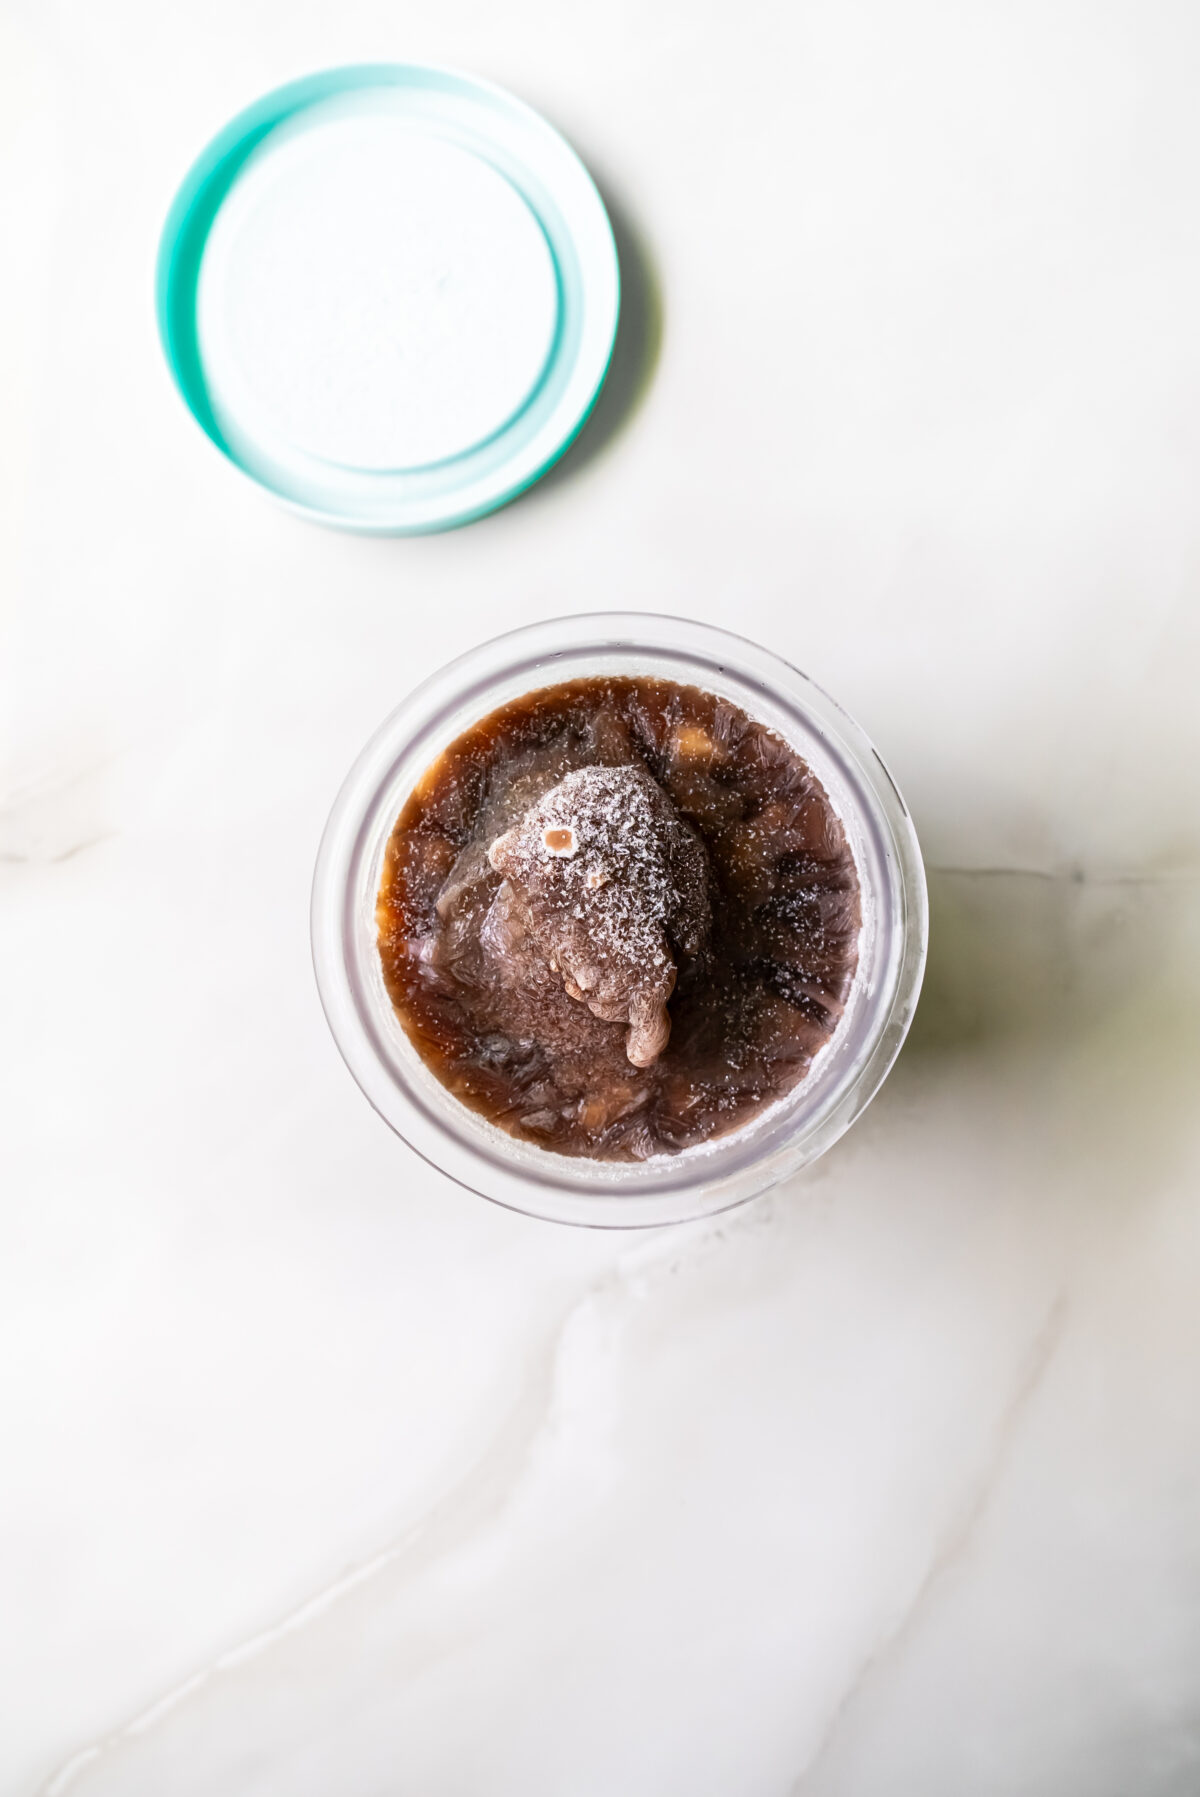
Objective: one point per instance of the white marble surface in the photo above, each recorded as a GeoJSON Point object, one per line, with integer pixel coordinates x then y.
{"type": "Point", "coordinates": [320, 1476]}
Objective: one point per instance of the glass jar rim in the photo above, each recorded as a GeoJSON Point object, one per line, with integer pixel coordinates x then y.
{"type": "Point", "coordinates": [665, 1188]}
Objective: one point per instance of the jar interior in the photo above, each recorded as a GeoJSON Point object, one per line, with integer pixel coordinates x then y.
{"type": "Point", "coordinates": [732, 1166]}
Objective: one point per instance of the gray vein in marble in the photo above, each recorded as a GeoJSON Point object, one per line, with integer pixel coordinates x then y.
{"type": "Point", "coordinates": [953, 1546]}
{"type": "Point", "coordinates": [484, 1488]}
{"type": "Point", "coordinates": [1074, 876]}
{"type": "Point", "coordinates": [54, 817]}
{"type": "Point", "coordinates": [9, 858]}
{"type": "Point", "coordinates": [480, 1497]}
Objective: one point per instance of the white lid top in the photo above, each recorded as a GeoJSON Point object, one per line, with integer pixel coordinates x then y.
{"type": "Point", "coordinates": [389, 295]}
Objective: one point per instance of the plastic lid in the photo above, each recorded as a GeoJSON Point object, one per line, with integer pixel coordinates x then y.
{"type": "Point", "coordinates": [389, 294]}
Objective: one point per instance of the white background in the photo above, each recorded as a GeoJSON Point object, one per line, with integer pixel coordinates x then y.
{"type": "Point", "coordinates": [318, 1475]}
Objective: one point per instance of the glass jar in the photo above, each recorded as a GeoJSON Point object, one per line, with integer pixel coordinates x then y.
{"type": "Point", "coordinates": [843, 1078]}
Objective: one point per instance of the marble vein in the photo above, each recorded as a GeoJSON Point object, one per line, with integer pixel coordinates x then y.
{"type": "Point", "coordinates": [1074, 876]}
{"type": "Point", "coordinates": [485, 1487]}
{"type": "Point", "coordinates": [476, 1502]}
{"type": "Point", "coordinates": [954, 1544]}
{"type": "Point", "coordinates": [9, 858]}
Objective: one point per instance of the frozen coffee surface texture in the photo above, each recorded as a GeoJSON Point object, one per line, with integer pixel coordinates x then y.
{"type": "Point", "coordinates": [619, 917]}
{"type": "Point", "coordinates": [611, 888]}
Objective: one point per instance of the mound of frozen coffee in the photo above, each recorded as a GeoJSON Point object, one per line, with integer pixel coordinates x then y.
{"type": "Point", "coordinates": [611, 886]}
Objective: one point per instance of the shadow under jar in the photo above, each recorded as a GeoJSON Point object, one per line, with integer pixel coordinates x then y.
{"type": "Point", "coordinates": [618, 920]}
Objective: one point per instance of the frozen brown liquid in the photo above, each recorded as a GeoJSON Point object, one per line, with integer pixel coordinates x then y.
{"type": "Point", "coordinates": [619, 918]}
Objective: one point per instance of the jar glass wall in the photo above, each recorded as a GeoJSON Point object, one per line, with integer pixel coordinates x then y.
{"type": "Point", "coordinates": [665, 1188]}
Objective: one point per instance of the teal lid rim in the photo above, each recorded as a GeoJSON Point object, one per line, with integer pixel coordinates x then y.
{"type": "Point", "coordinates": [199, 199]}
